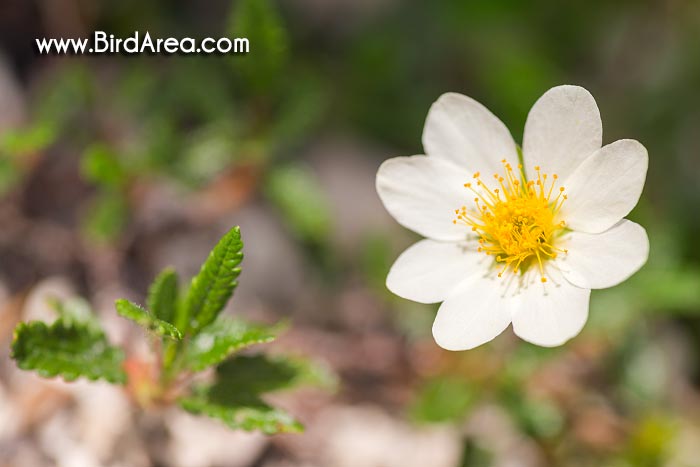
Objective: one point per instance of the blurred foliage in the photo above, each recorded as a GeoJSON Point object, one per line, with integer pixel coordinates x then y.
{"type": "Point", "coordinates": [259, 21]}
{"type": "Point", "coordinates": [301, 201]}
{"type": "Point", "coordinates": [101, 166]}
{"type": "Point", "coordinates": [106, 216]}
{"type": "Point", "coordinates": [376, 258]}
{"type": "Point", "coordinates": [17, 148]}
{"type": "Point", "coordinates": [649, 444]}
{"type": "Point", "coordinates": [30, 140]}
{"type": "Point", "coordinates": [444, 400]}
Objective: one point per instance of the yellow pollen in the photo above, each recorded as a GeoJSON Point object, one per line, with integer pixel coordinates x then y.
{"type": "Point", "coordinates": [517, 221]}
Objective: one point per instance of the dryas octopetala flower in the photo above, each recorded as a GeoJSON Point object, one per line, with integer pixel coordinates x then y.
{"type": "Point", "coordinates": [515, 239]}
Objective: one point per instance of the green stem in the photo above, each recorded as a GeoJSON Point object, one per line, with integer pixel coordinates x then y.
{"type": "Point", "coordinates": [173, 354]}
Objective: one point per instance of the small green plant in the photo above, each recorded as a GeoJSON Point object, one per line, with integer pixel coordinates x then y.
{"type": "Point", "coordinates": [188, 335]}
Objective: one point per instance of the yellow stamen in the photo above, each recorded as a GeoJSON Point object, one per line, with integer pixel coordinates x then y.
{"type": "Point", "coordinates": [517, 222]}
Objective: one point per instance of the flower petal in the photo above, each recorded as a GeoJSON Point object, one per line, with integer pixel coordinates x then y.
{"type": "Point", "coordinates": [422, 193]}
{"type": "Point", "coordinates": [597, 261]}
{"type": "Point", "coordinates": [563, 128]}
{"type": "Point", "coordinates": [605, 187]}
{"type": "Point", "coordinates": [461, 130]}
{"type": "Point", "coordinates": [550, 313]}
{"type": "Point", "coordinates": [429, 271]}
{"type": "Point", "coordinates": [477, 311]}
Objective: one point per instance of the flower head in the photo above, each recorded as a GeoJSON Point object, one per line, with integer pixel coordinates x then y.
{"type": "Point", "coordinates": [513, 239]}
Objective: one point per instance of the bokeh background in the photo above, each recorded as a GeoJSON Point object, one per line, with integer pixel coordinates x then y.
{"type": "Point", "coordinates": [113, 167]}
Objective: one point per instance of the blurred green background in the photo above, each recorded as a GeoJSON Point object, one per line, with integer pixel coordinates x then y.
{"type": "Point", "coordinates": [112, 167]}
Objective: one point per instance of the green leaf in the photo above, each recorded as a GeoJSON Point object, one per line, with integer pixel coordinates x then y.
{"type": "Point", "coordinates": [146, 320]}
{"type": "Point", "coordinates": [68, 349]}
{"type": "Point", "coordinates": [241, 413]}
{"type": "Point", "coordinates": [260, 374]}
{"type": "Point", "coordinates": [214, 285]}
{"type": "Point", "coordinates": [223, 337]}
{"type": "Point", "coordinates": [235, 397]}
{"type": "Point", "coordinates": [162, 295]}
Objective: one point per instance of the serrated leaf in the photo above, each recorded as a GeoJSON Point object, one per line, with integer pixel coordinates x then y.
{"type": "Point", "coordinates": [68, 349]}
{"type": "Point", "coordinates": [162, 295]}
{"type": "Point", "coordinates": [146, 320]}
{"type": "Point", "coordinates": [235, 397]}
{"type": "Point", "coordinates": [241, 413]}
{"type": "Point", "coordinates": [223, 337]}
{"type": "Point", "coordinates": [214, 285]}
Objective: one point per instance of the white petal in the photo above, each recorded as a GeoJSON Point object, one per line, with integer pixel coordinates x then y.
{"type": "Point", "coordinates": [605, 187]}
{"type": "Point", "coordinates": [461, 130]}
{"type": "Point", "coordinates": [478, 310]}
{"type": "Point", "coordinates": [597, 261]}
{"type": "Point", "coordinates": [550, 313]}
{"type": "Point", "coordinates": [563, 128]}
{"type": "Point", "coordinates": [422, 194]}
{"type": "Point", "coordinates": [429, 271]}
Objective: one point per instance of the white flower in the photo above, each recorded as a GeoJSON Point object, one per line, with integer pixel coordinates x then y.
{"type": "Point", "coordinates": [510, 243]}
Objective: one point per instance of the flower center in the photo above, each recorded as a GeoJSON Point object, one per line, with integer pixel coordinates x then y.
{"type": "Point", "coordinates": [517, 220]}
